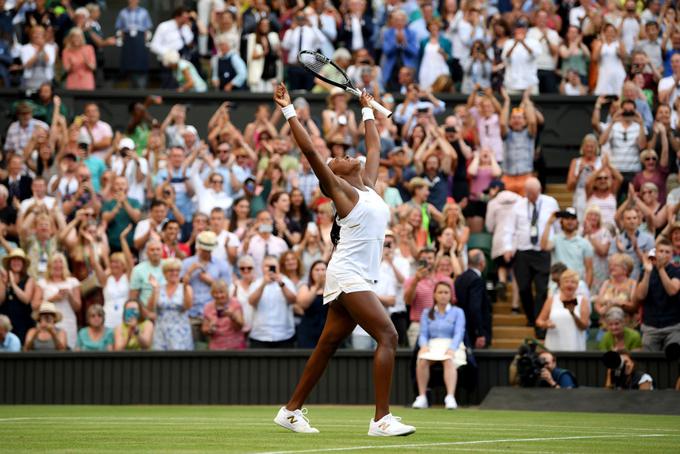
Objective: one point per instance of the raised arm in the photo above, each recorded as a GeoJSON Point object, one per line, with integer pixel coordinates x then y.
{"type": "Point", "coordinates": [370, 174]}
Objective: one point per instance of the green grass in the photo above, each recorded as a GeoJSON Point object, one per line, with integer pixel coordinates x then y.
{"type": "Point", "coordinates": [251, 430]}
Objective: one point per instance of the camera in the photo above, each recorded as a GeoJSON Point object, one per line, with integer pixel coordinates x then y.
{"type": "Point", "coordinates": [272, 269]}
{"type": "Point", "coordinates": [167, 193]}
{"type": "Point", "coordinates": [422, 264]}
{"type": "Point", "coordinates": [342, 120]}
{"type": "Point", "coordinates": [628, 113]}
{"type": "Point", "coordinates": [529, 364]}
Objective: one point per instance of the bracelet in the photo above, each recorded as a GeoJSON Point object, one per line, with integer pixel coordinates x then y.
{"type": "Point", "coordinates": [289, 111]}
{"type": "Point", "coordinates": [367, 114]}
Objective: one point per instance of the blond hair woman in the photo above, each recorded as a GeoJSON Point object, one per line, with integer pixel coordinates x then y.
{"type": "Point", "coordinates": [565, 316]}
{"type": "Point", "coordinates": [79, 61]}
{"type": "Point", "coordinates": [60, 288]}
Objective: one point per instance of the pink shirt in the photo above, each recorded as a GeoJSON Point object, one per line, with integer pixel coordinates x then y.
{"type": "Point", "coordinates": [228, 336]}
{"type": "Point", "coordinates": [424, 297]}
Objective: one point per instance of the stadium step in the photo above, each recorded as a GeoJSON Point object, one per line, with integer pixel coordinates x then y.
{"type": "Point", "coordinates": [502, 320]}
{"type": "Point", "coordinates": [502, 308]}
{"type": "Point", "coordinates": [512, 332]}
{"type": "Point", "coordinates": [507, 344]}
{"type": "Point", "coordinates": [560, 192]}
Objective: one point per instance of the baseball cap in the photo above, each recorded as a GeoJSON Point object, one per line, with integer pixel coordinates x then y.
{"type": "Point", "coordinates": [126, 142]}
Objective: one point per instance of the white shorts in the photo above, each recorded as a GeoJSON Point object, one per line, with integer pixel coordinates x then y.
{"type": "Point", "coordinates": [344, 282]}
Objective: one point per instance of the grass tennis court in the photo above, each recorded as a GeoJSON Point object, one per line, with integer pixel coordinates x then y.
{"type": "Point", "coordinates": [343, 429]}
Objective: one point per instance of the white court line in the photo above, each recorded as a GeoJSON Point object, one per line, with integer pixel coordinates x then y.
{"type": "Point", "coordinates": [472, 442]}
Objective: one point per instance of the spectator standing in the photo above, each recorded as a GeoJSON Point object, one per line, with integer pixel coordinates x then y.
{"type": "Point", "coordinates": [418, 291]}
{"type": "Point", "coordinates": [518, 128]}
{"type": "Point", "coordinates": [580, 170]}
{"type": "Point", "coordinates": [632, 241]}
{"type": "Point", "coordinates": [260, 240]}
{"type": "Point", "coordinates": [184, 72]}
{"type": "Point", "coordinates": [601, 189]}
{"type": "Point", "coordinates": [568, 246]}
{"type": "Point", "coordinates": [434, 54]}
{"type": "Point", "coordinates": [310, 303]}
{"type": "Point", "coordinates": [668, 86]}
{"type": "Point", "coordinates": [133, 28]}
{"type": "Point", "coordinates": [546, 60]}
{"type": "Point", "coordinates": [140, 286]}
{"type": "Point", "coordinates": [135, 168]}
{"type": "Point", "coordinates": [172, 35]}
{"type": "Point", "coordinates": [300, 36]}
{"type": "Point", "coordinates": [119, 213]}
{"type": "Point", "coordinates": [46, 336]}
{"type": "Point", "coordinates": [175, 174]}
{"type": "Point", "coordinates": [600, 239]}
{"type": "Point", "coordinates": [168, 306]}
{"type": "Point", "coordinates": [18, 181]}
{"type": "Point", "coordinates": [95, 336]}
{"type": "Point", "coordinates": [657, 293]}
{"type": "Point", "coordinates": [223, 320]}
{"type": "Point", "coordinates": [16, 292]}
{"type": "Point", "coordinates": [9, 342]}
{"type": "Point", "coordinates": [522, 234]}
{"type": "Point", "coordinates": [400, 48]}
{"type": "Point", "coordinates": [97, 134]}
{"type": "Point", "coordinates": [473, 299]}
{"type": "Point", "coordinates": [443, 322]}
{"type": "Point", "coordinates": [115, 282]}
{"type": "Point", "coordinates": [263, 59]}
{"type": "Point", "coordinates": [520, 55]}
{"type": "Point", "coordinates": [63, 292]}
{"type": "Point", "coordinates": [272, 296]}
{"type": "Point", "coordinates": [565, 316]}
{"type": "Point", "coordinates": [22, 130]}
{"type": "Point", "coordinates": [575, 54]}
{"type": "Point", "coordinates": [37, 59]}
{"type": "Point", "coordinates": [609, 52]}
{"type": "Point", "coordinates": [135, 332]}
{"type": "Point", "coordinates": [356, 30]}
{"type": "Point", "coordinates": [79, 61]}
{"type": "Point", "coordinates": [626, 138]}
{"type": "Point", "coordinates": [199, 272]}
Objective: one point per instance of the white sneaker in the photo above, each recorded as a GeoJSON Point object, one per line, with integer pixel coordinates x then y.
{"type": "Point", "coordinates": [389, 426]}
{"type": "Point", "coordinates": [450, 402]}
{"type": "Point", "coordinates": [295, 421]}
{"type": "Point", "coordinates": [420, 402]}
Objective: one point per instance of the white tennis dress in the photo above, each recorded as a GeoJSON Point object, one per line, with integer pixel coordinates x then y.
{"type": "Point", "coordinates": [355, 264]}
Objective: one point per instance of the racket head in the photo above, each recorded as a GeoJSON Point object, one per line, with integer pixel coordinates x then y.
{"type": "Point", "coordinates": [324, 68]}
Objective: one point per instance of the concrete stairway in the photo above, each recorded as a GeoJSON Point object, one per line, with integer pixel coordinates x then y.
{"type": "Point", "coordinates": [509, 330]}
{"type": "Point", "coordinates": [561, 194]}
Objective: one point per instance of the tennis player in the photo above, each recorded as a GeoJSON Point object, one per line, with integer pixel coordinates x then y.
{"type": "Point", "coordinates": [352, 273]}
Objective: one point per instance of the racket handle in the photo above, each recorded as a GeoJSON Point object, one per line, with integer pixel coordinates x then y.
{"type": "Point", "coordinates": [380, 108]}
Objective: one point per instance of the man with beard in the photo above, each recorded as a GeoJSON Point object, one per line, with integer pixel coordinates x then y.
{"type": "Point", "coordinates": [568, 246]}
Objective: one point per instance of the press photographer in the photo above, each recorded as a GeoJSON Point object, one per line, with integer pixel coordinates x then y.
{"type": "Point", "coordinates": [622, 374]}
{"type": "Point", "coordinates": [530, 369]}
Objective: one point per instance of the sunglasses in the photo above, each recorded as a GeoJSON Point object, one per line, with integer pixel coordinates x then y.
{"type": "Point", "coordinates": [650, 158]}
{"type": "Point", "coordinates": [96, 314]}
{"type": "Point", "coordinates": [223, 150]}
{"type": "Point", "coordinates": [602, 178]}
{"type": "Point", "coordinates": [647, 192]}
{"type": "Point", "coordinates": [245, 268]}
{"type": "Point", "coordinates": [217, 181]}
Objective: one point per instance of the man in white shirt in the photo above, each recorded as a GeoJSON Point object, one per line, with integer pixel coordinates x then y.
{"type": "Point", "coordinates": [133, 167]}
{"type": "Point", "coordinates": [150, 228]}
{"type": "Point", "coordinates": [469, 30]}
{"type": "Point", "coordinates": [227, 242]}
{"type": "Point", "coordinates": [40, 197]}
{"type": "Point", "coordinates": [323, 19]}
{"type": "Point", "coordinates": [396, 269]}
{"type": "Point", "coordinates": [300, 36]}
{"type": "Point", "coordinates": [546, 61]}
{"type": "Point", "coordinates": [669, 86]}
{"type": "Point", "coordinates": [173, 34]}
{"type": "Point", "coordinates": [524, 230]}
{"type": "Point", "coordinates": [260, 242]}
{"type": "Point", "coordinates": [519, 55]}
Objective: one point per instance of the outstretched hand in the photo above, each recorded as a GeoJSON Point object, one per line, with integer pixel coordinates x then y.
{"type": "Point", "coordinates": [365, 99]}
{"type": "Point", "coordinates": [281, 96]}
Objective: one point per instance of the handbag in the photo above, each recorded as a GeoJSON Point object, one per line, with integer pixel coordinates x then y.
{"type": "Point", "coordinates": [89, 285]}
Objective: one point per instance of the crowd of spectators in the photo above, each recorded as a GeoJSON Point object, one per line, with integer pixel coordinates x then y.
{"type": "Point", "coordinates": [153, 237]}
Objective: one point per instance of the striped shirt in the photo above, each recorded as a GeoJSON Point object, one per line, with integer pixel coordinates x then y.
{"type": "Point", "coordinates": [518, 152]}
{"type": "Point", "coordinates": [623, 146]}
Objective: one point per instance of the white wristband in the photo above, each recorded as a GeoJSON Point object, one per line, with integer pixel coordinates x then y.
{"type": "Point", "coordinates": [367, 114]}
{"type": "Point", "coordinates": [289, 111]}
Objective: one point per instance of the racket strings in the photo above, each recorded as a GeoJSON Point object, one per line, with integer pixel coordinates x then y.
{"type": "Point", "coordinates": [322, 67]}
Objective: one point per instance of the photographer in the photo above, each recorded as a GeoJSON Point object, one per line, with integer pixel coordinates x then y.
{"type": "Point", "coordinates": [272, 297]}
{"type": "Point", "coordinates": [658, 293]}
{"type": "Point", "coordinates": [622, 374]}
{"type": "Point", "coordinates": [530, 369]}
{"type": "Point", "coordinates": [553, 376]}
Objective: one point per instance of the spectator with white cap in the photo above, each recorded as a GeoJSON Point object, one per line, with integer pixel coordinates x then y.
{"type": "Point", "coordinates": [133, 167]}
{"type": "Point", "coordinates": [46, 336]}
{"type": "Point", "coordinates": [184, 72]}
{"type": "Point", "coordinates": [200, 271]}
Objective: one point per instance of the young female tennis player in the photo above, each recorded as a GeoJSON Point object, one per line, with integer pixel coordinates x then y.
{"type": "Point", "coordinates": [352, 272]}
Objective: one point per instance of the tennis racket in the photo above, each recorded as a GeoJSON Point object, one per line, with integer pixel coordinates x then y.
{"type": "Point", "coordinates": [327, 70]}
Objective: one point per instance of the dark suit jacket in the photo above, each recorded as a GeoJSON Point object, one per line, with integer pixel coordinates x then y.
{"type": "Point", "coordinates": [345, 32]}
{"type": "Point", "coordinates": [474, 300]}
{"type": "Point", "coordinates": [24, 191]}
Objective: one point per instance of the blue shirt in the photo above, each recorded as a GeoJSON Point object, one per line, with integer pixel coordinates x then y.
{"type": "Point", "coordinates": [450, 324]}
{"type": "Point", "coordinates": [97, 168]}
{"type": "Point", "coordinates": [11, 344]}
{"type": "Point", "coordinates": [135, 20]}
{"type": "Point", "coordinates": [217, 269]}
{"type": "Point", "coordinates": [182, 199]}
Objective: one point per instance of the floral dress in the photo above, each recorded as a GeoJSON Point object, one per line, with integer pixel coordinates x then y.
{"type": "Point", "coordinates": [173, 329]}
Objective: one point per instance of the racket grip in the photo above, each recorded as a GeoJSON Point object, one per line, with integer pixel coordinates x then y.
{"type": "Point", "coordinates": [380, 108]}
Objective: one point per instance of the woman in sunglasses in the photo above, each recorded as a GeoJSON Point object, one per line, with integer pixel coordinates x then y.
{"type": "Point", "coordinates": [654, 169]}
{"type": "Point", "coordinates": [240, 289]}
